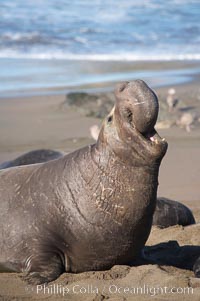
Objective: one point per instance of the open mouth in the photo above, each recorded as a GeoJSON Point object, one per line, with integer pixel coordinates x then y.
{"type": "Point", "coordinates": [151, 137]}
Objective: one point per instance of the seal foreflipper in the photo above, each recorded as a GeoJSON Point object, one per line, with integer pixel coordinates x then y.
{"type": "Point", "coordinates": [46, 257]}
{"type": "Point", "coordinates": [43, 268]}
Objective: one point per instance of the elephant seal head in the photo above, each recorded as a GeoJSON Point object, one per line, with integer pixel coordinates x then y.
{"type": "Point", "coordinates": [129, 129]}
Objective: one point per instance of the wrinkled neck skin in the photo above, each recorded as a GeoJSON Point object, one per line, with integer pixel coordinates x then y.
{"type": "Point", "coordinates": [132, 177]}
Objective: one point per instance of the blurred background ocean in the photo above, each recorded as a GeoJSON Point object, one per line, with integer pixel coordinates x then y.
{"type": "Point", "coordinates": [62, 43]}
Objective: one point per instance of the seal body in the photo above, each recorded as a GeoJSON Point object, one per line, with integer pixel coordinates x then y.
{"type": "Point", "coordinates": [169, 213]}
{"type": "Point", "coordinates": [87, 210]}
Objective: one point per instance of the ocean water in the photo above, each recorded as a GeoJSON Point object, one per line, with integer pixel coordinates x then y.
{"type": "Point", "coordinates": [98, 30]}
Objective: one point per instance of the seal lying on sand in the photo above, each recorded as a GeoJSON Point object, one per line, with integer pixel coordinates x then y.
{"type": "Point", "coordinates": [169, 213]}
{"type": "Point", "coordinates": [32, 157]}
{"type": "Point", "coordinates": [92, 208]}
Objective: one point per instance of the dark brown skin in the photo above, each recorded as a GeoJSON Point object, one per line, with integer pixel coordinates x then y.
{"type": "Point", "coordinates": [88, 210]}
{"type": "Point", "coordinates": [169, 213]}
{"type": "Point", "coordinates": [33, 157]}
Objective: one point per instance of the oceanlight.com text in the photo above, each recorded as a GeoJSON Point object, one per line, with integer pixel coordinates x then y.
{"type": "Point", "coordinates": [77, 289]}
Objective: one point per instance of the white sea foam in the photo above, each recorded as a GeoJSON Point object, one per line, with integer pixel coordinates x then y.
{"type": "Point", "coordinates": [137, 30]}
{"type": "Point", "coordinates": [99, 57]}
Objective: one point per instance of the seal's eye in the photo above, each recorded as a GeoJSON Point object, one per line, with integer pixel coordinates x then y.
{"type": "Point", "coordinates": [110, 118]}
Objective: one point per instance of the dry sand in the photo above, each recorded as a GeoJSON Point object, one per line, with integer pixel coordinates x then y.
{"type": "Point", "coordinates": [39, 122]}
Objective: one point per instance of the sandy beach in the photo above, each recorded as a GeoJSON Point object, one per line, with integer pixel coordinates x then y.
{"type": "Point", "coordinates": [35, 122]}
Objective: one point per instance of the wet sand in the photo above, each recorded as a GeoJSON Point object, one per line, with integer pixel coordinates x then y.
{"type": "Point", "coordinates": [42, 77]}
{"type": "Point", "coordinates": [40, 122]}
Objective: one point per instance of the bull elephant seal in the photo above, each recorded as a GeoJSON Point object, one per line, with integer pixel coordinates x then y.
{"type": "Point", "coordinates": [92, 208]}
{"type": "Point", "coordinates": [32, 157]}
{"type": "Point", "coordinates": [169, 213]}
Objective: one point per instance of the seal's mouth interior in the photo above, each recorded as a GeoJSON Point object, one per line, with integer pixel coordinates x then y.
{"type": "Point", "coordinates": [151, 136]}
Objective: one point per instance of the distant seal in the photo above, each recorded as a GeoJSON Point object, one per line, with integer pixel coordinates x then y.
{"type": "Point", "coordinates": [32, 157]}
{"type": "Point", "coordinates": [92, 208]}
{"type": "Point", "coordinates": [169, 213]}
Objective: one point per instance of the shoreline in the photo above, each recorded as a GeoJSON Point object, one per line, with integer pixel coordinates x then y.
{"type": "Point", "coordinates": [56, 77]}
